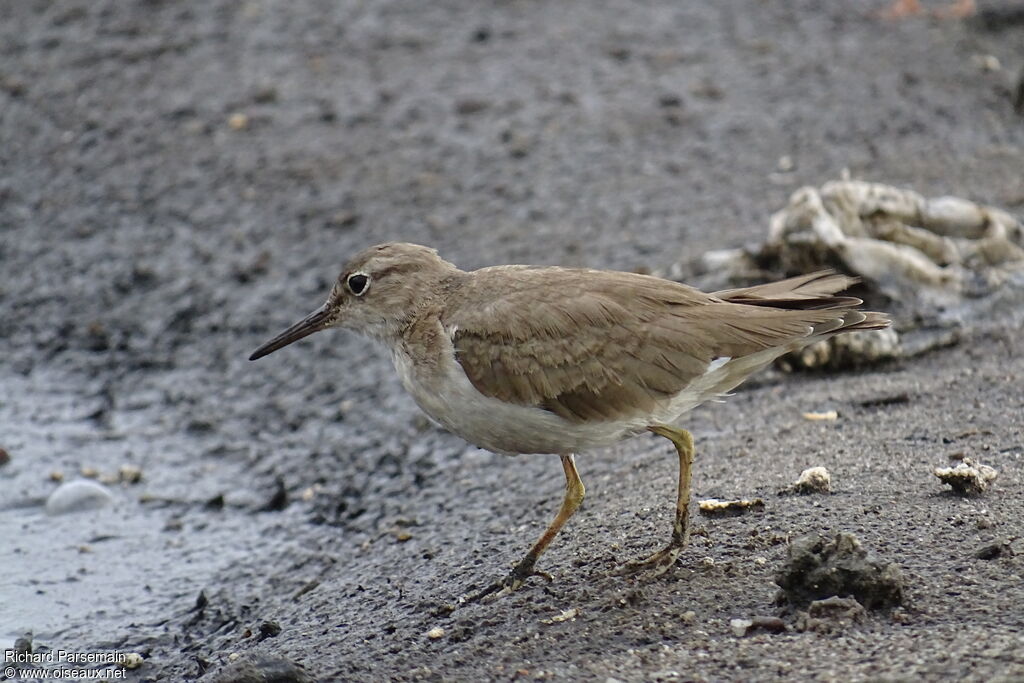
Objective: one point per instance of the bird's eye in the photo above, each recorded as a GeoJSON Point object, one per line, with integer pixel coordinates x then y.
{"type": "Point", "coordinates": [358, 282]}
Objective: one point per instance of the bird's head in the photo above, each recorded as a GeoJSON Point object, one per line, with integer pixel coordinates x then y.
{"type": "Point", "coordinates": [377, 293]}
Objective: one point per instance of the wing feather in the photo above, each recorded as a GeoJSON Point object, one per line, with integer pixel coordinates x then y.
{"type": "Point", "coordinates": [601, 345]}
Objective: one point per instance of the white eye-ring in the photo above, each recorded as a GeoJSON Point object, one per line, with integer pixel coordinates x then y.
{"type": "Point", "coordinates": [358, 283]}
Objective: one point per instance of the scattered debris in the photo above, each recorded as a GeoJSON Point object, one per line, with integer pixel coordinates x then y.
{"type": "Point", "coordinates": [435, 633]}
{"type": "Point", "coordinates": [713, 507]}
{"type": "Point", "coordinates": [565, 615]}
{"type": "Point", "coordinates": [831, 614]}
{"type": "Point", "coordinates": [817, 567]}
{"type": "Point", "coordinates": [811, 480]}
{"type": "Point", "coordinates": [57, 476]}
{"type": "Point", "coordinates": [742, 627]}
{"type": "Point", "coordinates": [827, 416]}
{"type": "Point", "coordinates": [5, 457]}
{"type": "Point", "coordinates": [78, 496]}
{"type": "Point", "coordinates": [967, 478]}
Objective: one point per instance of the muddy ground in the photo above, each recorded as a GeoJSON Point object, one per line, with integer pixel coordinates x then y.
{"type": "Point", "coordinates": [181, 180]}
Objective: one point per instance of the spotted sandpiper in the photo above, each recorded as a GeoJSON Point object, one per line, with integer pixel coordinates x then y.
{"type": "Point", "coordinates": [526, 359]}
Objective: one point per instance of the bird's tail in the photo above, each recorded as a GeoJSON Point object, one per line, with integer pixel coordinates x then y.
{"type": "Point", "coordinates": [812, 292]}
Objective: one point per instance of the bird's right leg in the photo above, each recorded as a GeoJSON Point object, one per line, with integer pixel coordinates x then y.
{"type": "Point", "coordinates": [574, 492]}
{"type": "Point", "coordinates": [661, 561]}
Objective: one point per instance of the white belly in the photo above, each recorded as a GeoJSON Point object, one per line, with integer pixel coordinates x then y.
{"type": "Point", "coordinates": [450, 399]}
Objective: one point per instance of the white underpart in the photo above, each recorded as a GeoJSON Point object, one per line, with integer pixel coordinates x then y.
{"type": "Point", "coordinates": [450, 399]}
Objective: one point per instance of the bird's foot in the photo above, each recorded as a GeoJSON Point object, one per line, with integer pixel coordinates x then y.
{"type": "Point", "coordinates": [658, 563]}
{"type": "Point", "coordinates": [516, 578]}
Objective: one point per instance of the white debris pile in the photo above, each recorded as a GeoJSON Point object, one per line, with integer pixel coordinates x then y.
{"type": "Point", "coordinates": [898, 241]}
{"type": "Point", "coordinates": [967, 478]}
{"type": "Point", "coordinates": [929, 258]}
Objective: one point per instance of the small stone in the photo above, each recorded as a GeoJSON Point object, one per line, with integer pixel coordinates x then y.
{"type": "Point", "coordinates": [967, 478]}
{"type": "Point", "coordinates": [994, 551]}
{"type": "Point", "coordinates": [471, 105]}
{"type": "Point", "coordinates": [238, 121]}
{"type": "Point", "coordinates": [740, 626]}
{"type": "Point", "coordinates": [812, 480]}
{"type": "Point", "coordinates": [78, 496]}
{"type": "Point", "coordinates": [129, 474]}
{"type": "Point", "coordinates": [269, 629]}
{"type": "Point", "coordinates": [89, 472]}
{"type": "Point", "coordinates": [131, 660]}
{"type": "Point", "coordinates": [5, 457]}
{"type": "Point", "coordinates": [435, 633]}
{"type": "Point", "coordinates": [56, 475]}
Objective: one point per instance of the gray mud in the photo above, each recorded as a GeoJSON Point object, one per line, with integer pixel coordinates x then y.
{"type": "Point", "coordinates": [181, 180]}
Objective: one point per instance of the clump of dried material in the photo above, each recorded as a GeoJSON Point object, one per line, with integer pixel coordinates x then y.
{"type": "Point", "coordinates": [817, 568]}
{"type": "Point", "coordinates": [811, 480]}
{"type": "Point", "coordinates": [967, 478]}
{"type": "Point", "coordinates": [925, 255]}
{"type": "Point", "coordinates": [713, 507]}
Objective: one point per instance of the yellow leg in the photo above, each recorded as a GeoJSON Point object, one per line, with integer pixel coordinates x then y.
{"type": "Point", "coordinates": [661, 561]}
{"type": "Point", "coordinates": [574, 492]}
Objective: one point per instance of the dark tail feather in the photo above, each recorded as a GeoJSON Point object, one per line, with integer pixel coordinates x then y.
{"type": "Point", "coordinates": [810, 292]}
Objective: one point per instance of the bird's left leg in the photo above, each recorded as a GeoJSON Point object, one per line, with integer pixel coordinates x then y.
{"type": "Point", "coordinates": [574, 492]}
{"type": "Point", "coordinates": [661, 561]}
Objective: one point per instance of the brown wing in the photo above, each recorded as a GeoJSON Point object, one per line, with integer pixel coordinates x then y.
{"type": "Point", "coordinates": [598, 345]}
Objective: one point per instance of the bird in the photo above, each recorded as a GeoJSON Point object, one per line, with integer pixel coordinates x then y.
{"type": "Point", "coordinates": [520, 359]}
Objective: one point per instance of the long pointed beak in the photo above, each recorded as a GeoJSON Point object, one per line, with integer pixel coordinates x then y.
{"type": "Point", "coordinates": [314, 322]}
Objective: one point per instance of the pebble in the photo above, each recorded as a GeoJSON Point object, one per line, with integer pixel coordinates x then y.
{"type": "Point", "coordinates": [812, 480]}
{"type": "Point", "coordinates": [78, 496]}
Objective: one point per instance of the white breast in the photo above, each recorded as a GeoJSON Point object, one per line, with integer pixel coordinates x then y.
{"type": "Point", "coordinates": [447, 396]}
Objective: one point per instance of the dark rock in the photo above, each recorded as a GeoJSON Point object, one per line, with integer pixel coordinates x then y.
{"type": "Point", "coordinates": [269, 629]}
{"type": "Point", "coordinates": [279, 500]}
{"type": "Point", "coordinates": [818, 568]}
{"type": "Point", "coordinates": [994, 551]}
{"type": "Point", "coordinates": [262, 670]}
